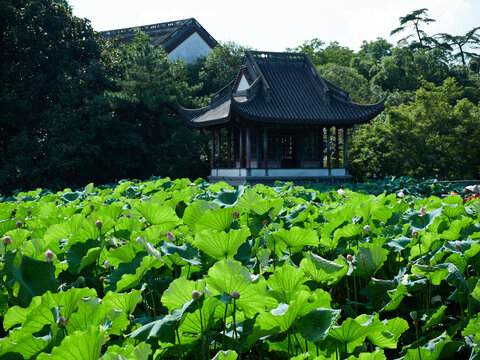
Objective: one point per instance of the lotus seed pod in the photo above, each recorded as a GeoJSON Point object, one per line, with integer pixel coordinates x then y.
{"type": "Point", "coordinates": [341, 192]}
{"type": "Point", "coordinates": [170, 236]}
{"type": "Point", "coordinates": [423, 211]}
{"type": "Point", "coordinates": [196, 295]}
{"type": "Point", "coordinates": [107, 264]}
{"type": "Point", "coordinates": [349, 258]}
{"type": "Point", "coordinates": [49, 255]}
{"type": "Point", "coordinates": [19, 224]}
{"type": "Point", "coordinates": [98, 224]}
{"type": "Point", "coordinates": [366, 228]}
{"type": "Point", "coordinates": [7, 240]}
{"type": "Point", "coordinates": [236, 214]}
{"type": "Point", "coordinates": [414, 233]}
{"type": "Point", "coordinates": [400, 194]}
{"type": "Point", "coordinates": [62, 321]}
{"type": "Point", "coordinates": [235, 295]}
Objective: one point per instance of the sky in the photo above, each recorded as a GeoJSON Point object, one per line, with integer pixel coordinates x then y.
{"type": "Point", "coordinates": [269, 25]}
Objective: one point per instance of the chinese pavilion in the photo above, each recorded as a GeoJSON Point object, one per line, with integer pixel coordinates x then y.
{"type": "Point", "coordinates": [279, 120]}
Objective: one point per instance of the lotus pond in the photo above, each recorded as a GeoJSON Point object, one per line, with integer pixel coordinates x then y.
{"type": "Point", "coordinates": [177, 270]}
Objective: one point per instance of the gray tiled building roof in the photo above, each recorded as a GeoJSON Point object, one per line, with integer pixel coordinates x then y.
{"type": "Point", "coordinates": [284, 88]}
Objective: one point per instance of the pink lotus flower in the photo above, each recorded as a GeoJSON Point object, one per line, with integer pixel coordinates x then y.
{"type": "Point", "coordinates": [349, 258]}
{"type": "Point", "coordinates": [423, 211]}
{"type": "Point", "coordinates": [19, 224]}
{"type": "Point", "coordinates": [400, 194]}
{"type": "Point", "coordinates": [107, 264]}
{"type": "Point", "coordinates": [414, 233]}
{"type": "Point", "coordinates": [62, 321]}
{"type": "Point", "coordinates": [236, 214]}
{"type": "Point", "coordinates": [170, 236]}
{"type": "Point", "coordinates": [366, 228]}
{"type": "Point", "coordinates": [49, 255]}
{"type": "Point", "coordinates": [341, 192]}
{"type": "Point", "coordinates": [7, 240]}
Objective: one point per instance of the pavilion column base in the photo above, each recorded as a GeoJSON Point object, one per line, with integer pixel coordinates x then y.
{"type": "Point", "coordinates": [255, 176]}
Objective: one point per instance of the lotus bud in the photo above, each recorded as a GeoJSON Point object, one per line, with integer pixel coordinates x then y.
{"type": "Point", "coordinates": [412, 204]}
{"type": "Point", "coordinates": [196, 295]}
{"type": "Point", "coordinates": [400, 194]}
{"type": "Point", "coordinates": [92, 206]}
{"type": "Point", "coordinates": [81, 281]}
{"type": "Point", "coordinates": [414, 233]}
{"type": "Point", "coordinates": [366, 228]}
{"type": "Point", "coordinates": [98, 224]}
{"type": "Point", "coordinates": [49, 255]}
{"type": "Point", "coordinates": [341, 192]}
{"type": "Point", "coordinates": [14, 212]}
{"type": "Point", "coordinates": [382, 224]}
{"type": "Point", "coordinates": [349, 258]}
{"type": "Point", "coordinates": [192, 184]}
{"type": "Point", "coordinates": [139, 239]}
{"type": "Point", "coordinates": [7, 240]}
{"type": "Point", "coordinates": [131, 317]}
{"type": "Point", "coordinates": [107, 264]}
{"type": "Point", "coordinates": [236, 214]}
{"type": "Point", "coordinates": [102, 279]}
{"type": "Point", "coordinates": [458, 247]}
{"type": "Point", "coordinates": [423, 211]}
{"type": "Point", "coordinates": [19, 224]}
{"type": "Point", "coordinates": [62, 321]}
{"type": "Point", "coordinates": [29, 211]}
{"type": "Point", "coordinates": [235, 295]}
{"type": "Point", "coordinates": [170, 236]}
{"type": "Point", "coordinates": [265, 223]}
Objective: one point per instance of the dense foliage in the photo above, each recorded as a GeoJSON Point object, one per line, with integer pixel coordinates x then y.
{"type": "Point", "coordinates": [173, 269]}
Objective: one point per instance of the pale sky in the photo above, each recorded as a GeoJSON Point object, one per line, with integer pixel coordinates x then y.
{"type": "Point", "coordinates": [269, 25]}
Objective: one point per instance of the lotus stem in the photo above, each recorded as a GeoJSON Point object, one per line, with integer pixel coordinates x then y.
{"type": "Point", "coordinates": [179, 343]}
{"type": "Point", "coordinates": [234, 322]}
{"type": "Point", "coordinates": [224, 325]}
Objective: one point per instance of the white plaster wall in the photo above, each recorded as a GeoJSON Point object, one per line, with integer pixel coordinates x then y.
{"type": "Point", "coordinates": [190, 49]}
{"type": "Point", "coordinates": [243, 84]}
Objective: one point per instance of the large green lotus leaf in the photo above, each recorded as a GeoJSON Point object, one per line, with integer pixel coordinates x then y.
{"type": "Point", "coordinates": [419, 222]}
{"type": "Point", "coordinates": [226, 355]}
{"type": "Point", "coordinates": [28, 277]}
{"type": "Point", "coordinates": [424, 245]}
{"type": "Point", "coordinates": [377, 355]}
{"type": "Point", "coordinates": [279, 319]}
{"type": "Point", "coordinates": [7, 225]}
{"type": "Point", "coordinates": [453, 211]}
{"type": "Point", "coordinates": [78, 346]}
{"type": "Point", "coordinates": [382, 213]}
{"type": "Point", "coordinates": [163, 328]}
{"type": "Point", "coordinates": [227, 198]}
{"type": "Point", "coordinates": [459, 261]}
{"type": "Point", "coordinates": [194, 212]}
{"type": "Point", "coordinates": [139, 352]}
{"type": "Point", "coordinates": [319, 299]}
{"type": "Point", "coordinates": [83, 254]}
{"type": "Point", "coordinates": [413, 354]}
{"type": "Point", "coordinates": [214, 188]}
{"type": "Point", "coordinates": [113, 210]}
{"type": "Point", "coordinates": [227, 276]}
{"type": "Point", "coordinates": [157, 214]}
{"type": "Point", "coordinates": [18, 236]}
{"type": "Point", "coordinates": [124, 254]}
{"type": "Point", "coordinates": [89, 229]}
{"type": "Point", "coordinates": [92, 311]}
{"type": "Point", "coordinates": [181, 255]}
{"type": "Point", "coordinates": [435, 318]}
{"type": "Point", "coordinates": [285, 281]}
{"type": "Point", "coordinates": [398, 244]}
{"type": "Point", "coordinates": [322, 270]}
{"type": "Point", "coordinates": [315, 325]}
{"type": "Point", "coordinates": [221, 245]}
{"type": "Point", "coordinates": [220, 220]}
{"type": "Point", "coordinates": [370, 258]}
{"type": "Point", "coordinates": [129, 281]}
{"type": "Point", "coordinates": [351, 333]}
{"type": "Point", "coordinates": [434, 274]}
{"type": "Point", "coordinates": [29, 347]}
{"type": "Point", "coordinates": [396, 297]}
{"type": "Point", "coordinates": [455, 228]}
{"type": "Point", "coordinates": [126, 302]}
{"type": "Point", "coordinates": [179, 292]}
{"type": "Point", "coordinates": [64, 230]}
{"type": "Point", "coordinates": [248, 198]}
{"type": "Point", "coordinates": [348, 232]}
{"type": "Point", "coordinates": [296, 238]}
{"type": "Point", "coordinates": [453, 200]}
{"type": "Point", "coordinates": [264, 205]}
{"type": "Point", "coordinates": [388, 332]}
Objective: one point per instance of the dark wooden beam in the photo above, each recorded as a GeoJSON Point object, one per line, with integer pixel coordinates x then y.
{"type": "Point", "coordinates": [345, 150]}
{"type": "Point", "coordinates": [321, 146]}
{"type": "Point", "coordinates": [337, 152]}
{"type": "Point", "coordinates": [219, 148]}
{"type": "Point", "coordinates": [249, 148]}
{"type": "Point", "coordinates": [240, 147]}
{"type": "Point", "coordinates": [212, 151]}
{"type": "Point", "coordinates": [329, 165]}
{"type": "Point", "coordinates": [265, 149]}
{"type": "Point", "coordinates": [229, 148]}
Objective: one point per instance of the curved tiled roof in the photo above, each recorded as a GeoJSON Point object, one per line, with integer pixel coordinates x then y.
{"type": "Point", "coordinates": [285, 88]}
{"type": "Point", "coordinates": [168, 34]}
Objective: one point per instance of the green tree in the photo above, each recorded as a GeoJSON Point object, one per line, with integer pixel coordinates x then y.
{"type": "Point", "coordinates": [320, 55]}
{"type": "Point", "coordinates": [413, 20]}
{"type": "Point", "coordinates": [436, 133]}
{"type": "Point", "coordinates": [462, 44]}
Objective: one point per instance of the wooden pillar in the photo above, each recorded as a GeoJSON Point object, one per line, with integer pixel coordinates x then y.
{"type": "Point", "coordinates": [329, 165]}
{"type": "Point", "coordinates": [219, 147]}
{"type": "Point", "coordinates": [265, 149]}
{"type": "Point", "coordinates": [249, 148]}
{"type": "Point", "coordinates": [345, 150]}
{"type": "Point", "coordinates": [240, 147]}
{"type": "Point", "coordinates": [321, 146]}
{"type": "Point", "coordinates": [258, 142]}
{"type": "Point", "coordinates": [337, 152]}
{"type": "Point", "coordinates": [229, 148]}
{"type": "Point", "coordinates": [212, 151]}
